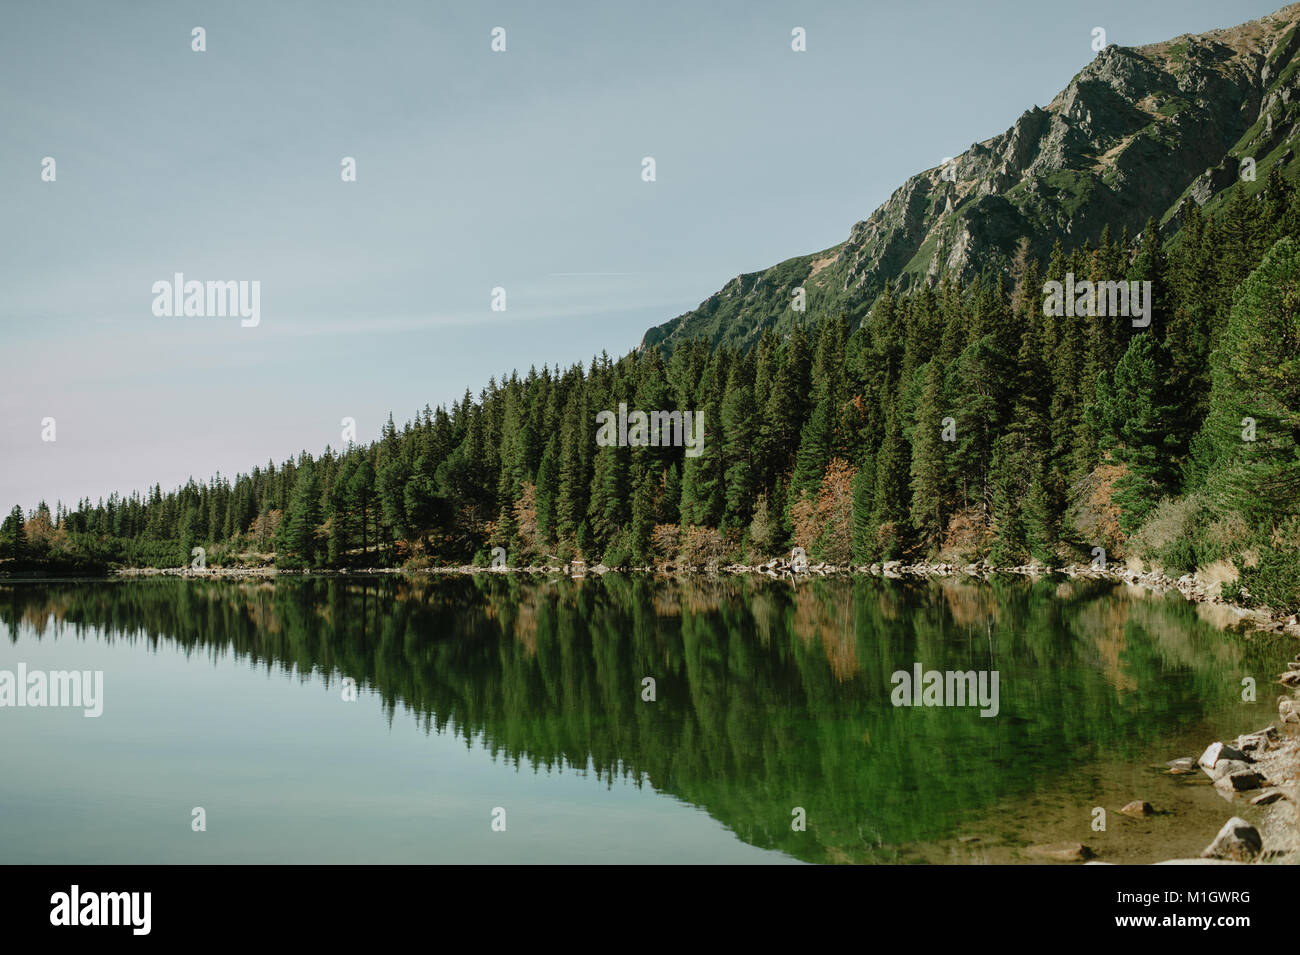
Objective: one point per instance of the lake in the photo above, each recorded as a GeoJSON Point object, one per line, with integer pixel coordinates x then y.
{"type": "Point", "coordinates": [503, 718]}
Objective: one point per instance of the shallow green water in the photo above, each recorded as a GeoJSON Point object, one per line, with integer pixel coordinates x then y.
{"type": "Point", "coordinates": [500, 692]}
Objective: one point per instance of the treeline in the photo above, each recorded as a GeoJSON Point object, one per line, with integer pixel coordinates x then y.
{"type": "Point", "coordinates": [954, 421]}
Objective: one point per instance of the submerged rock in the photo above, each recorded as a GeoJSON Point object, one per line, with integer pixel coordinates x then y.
{"type": "Point", "coordinates": [1138, 808]}
{"type": "Point", "coordinates": [1063, 851]}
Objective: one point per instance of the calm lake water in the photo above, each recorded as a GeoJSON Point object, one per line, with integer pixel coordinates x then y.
{"type": "Point", "coordinates": [498, 692]}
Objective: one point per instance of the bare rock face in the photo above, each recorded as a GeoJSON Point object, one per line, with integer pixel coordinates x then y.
{"type": "Point", "coordinates": [1237, 841]}
{"type": "Point", "coordinates": [1138, 133]}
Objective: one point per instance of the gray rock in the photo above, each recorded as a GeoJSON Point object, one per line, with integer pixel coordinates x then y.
{"type": "Point", "coordinates": [1217, 751]}
{"type": "Point", "coordinates": [1259, 741]}
{"type": "Point", "coordinates": [1268, 798]}
{"type": "Point", "coordinates": [1182, 766]}
{"type": "Point", "coordinates": [1240, 781]}
{"type": "Point", "coordinates": [1138, 808]}
{"type": "Point", "coordinates": [1225, 767]}
{"type": "Point", "coordinates": [1238, 840]}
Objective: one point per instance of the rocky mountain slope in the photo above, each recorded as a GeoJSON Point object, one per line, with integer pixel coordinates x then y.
{"type": "Point", "coordinates": [1137, 133]}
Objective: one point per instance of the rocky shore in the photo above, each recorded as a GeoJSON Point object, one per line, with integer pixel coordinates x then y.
{"type": "Point", "coordinates": [1194, 587]}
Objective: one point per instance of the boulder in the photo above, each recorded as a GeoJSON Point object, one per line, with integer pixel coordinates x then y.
{"type": "Point", "coordinates": [1239, 781]}
{"type": "Point", "coordinates": [1225, 767]}
{"type": "Point", "coordinates": [1268, 798]}
{"type": "Point", "coordinates": [1256, 742]}
{"type": "Point", "coordinates": [1217, 751]}
{"type": "Point", "coordinates": [1138, 808]}
{"type": "Point", "coordinates": [1238, 841]}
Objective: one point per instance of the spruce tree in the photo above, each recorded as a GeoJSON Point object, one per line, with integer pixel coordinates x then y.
{"type": "Point", "coordinates": [1253, 430]}
{"type": "Point", "coordinates": [930, 495]}
{"type": "Point", "coordinates": [1134, 420]}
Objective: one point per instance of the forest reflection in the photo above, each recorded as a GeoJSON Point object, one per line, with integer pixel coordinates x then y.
{"type": "Point", "coordinates": [768, 696]}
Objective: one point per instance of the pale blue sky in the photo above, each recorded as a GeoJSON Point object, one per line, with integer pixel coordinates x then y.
{"type": "Point", "coordinates": [475, 169]}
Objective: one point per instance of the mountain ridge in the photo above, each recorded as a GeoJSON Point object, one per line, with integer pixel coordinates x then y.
{"type": "Point", "coordinates": [1135, 135]}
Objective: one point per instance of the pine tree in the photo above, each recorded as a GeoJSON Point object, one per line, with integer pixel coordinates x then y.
{"type": "Point", "coordinates": [1134, 421]}
{"type": "Point", "coordinates": [740, 430]}
{"type": "Point", "coordinates": [893, 485]}
{"type": "Point", "coordinates": [930, 495]}
{"type": "Point", "coordinates": [814, 451]}
{"type": "Point", "coordinates": [13, 535]}
{"type": "Point", "coordinates": [577, 436]}
{"type": "Point", "coordinates": [297, 544]}
{"type": "Point", "coordinates": [548, 489]}
{"type": "Point", "coordinates": [1253, 430]}
{"type": "Point", "coordinates": [643, 519]}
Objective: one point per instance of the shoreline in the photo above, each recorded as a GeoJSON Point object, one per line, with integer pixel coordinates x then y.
{"type": "Point", "coordinates": [1193, 588]}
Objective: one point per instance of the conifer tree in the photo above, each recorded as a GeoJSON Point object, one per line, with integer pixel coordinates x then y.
{"type": "Point", "coordinates": [1134, 421]}
{"type": "Point", "coordinates": [1253, 430]}
{"type": "Point", "coordinates": [297, 544]}
{"type": "Point", "coordinates": [930, 495]}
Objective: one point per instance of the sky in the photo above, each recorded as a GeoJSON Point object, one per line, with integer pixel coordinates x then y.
{"type": "Point", "coordinates": [475, 170]}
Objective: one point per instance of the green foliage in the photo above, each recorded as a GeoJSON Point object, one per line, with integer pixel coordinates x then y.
{"type": "Point", "coordinates": [1039, 406]}
{"type": "Point", "coordinates": [297, 545]}
{"type": "Point", "coordinates": [13, 535]}
{"type": "Point", "coordinates": [1133, 421]}
{"type": "Point", "coordinates": [1275, 580]}
{"type": "Point", "coordinates": [1251, 442]}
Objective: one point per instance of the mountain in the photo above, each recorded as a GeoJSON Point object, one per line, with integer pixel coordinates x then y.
{"type": "Point", "coordinates": [1136, 134]}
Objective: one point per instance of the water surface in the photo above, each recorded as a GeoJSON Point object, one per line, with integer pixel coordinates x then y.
{"type": "Point", "coordinates": [502, 692]}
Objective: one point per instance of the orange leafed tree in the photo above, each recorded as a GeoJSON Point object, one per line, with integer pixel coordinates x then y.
{"type": "Point", "coordinates": [823, 525]}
